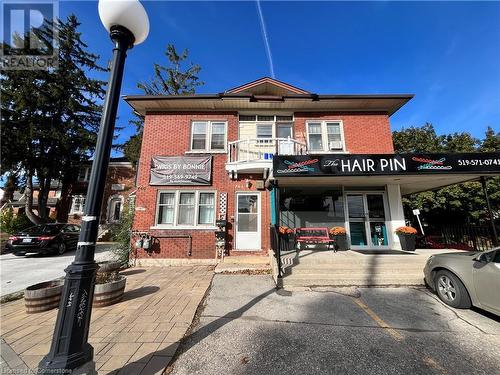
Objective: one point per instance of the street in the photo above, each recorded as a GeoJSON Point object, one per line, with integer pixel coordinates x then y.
{"type": "Point", "coordinates": [247, 327]}
{"type": "Point", "coordinates": [17, 273]}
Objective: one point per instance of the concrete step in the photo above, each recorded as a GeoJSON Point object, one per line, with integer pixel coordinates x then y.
{"type": "Point", "coordinates": [353, 281]}
{"type": "Point", "coordinates": [324, 270]}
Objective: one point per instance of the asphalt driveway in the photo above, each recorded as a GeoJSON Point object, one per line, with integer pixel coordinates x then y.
{"type": "Point", "coordinates": [19, 272]}
{"type": "Point", "coordinates": [247, 327]}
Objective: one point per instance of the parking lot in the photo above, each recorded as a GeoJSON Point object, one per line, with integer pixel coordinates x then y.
{"type": "Point", "coordinates": [248, 327]}
{"type": "Point", "coordinates": [19, 272]}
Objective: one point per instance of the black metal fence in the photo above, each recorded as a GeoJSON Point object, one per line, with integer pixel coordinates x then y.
{"type": "Point", "coordinates": [462, 237]}
{"type": "Point", "coordinates": [280, 243]}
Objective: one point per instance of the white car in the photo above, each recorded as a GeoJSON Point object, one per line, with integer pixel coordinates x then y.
{"type": "Point", "coordinates": [463, 279]}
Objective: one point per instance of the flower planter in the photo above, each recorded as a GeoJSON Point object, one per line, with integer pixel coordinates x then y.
{"type": "Point", "coordinates": [408, 241]}
{"type": "Point", "coordinates": [109, 293]}
{"type": "Point", "coordinates": [43, 297]}
{"type": "Point", "coordinates": [341, 243]}
{"type": "Point", "coordinates": [109, 266]}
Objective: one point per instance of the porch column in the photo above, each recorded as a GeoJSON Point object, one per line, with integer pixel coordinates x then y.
{"type": "Point", "coordinates": [396, 213]}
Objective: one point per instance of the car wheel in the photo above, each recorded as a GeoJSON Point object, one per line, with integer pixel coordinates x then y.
{"type": "Point", "coordinates": [451, 291]}
{"type": "Point", "coordinates": [61, 249]}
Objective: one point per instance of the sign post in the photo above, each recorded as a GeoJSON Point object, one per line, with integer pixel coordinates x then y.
{"type": "Point", "coordinates": [416, 212]}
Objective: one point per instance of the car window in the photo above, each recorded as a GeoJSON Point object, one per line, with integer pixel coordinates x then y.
{"type": "Point", "coordinates": [496, 259]}
{"type": "Point", "coordinates": [45, 229]}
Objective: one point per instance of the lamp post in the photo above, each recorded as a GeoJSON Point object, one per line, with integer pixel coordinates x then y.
{"type": "Point", "coordinates": [127, 24]}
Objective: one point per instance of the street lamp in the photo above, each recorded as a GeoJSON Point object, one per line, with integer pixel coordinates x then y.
{"type": "Point", "coordinates": [127, 23]}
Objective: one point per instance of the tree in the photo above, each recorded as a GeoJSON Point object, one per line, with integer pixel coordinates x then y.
{"type": "Point", "coordinates": [50, 117]}
{"type": "Point", "coordinates": [456, 204]}
{"type": "Point", "coordinates": [174, 79]}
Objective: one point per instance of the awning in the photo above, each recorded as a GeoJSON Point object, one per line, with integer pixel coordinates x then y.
{"type": "Point", "coordinates": [413, 172]}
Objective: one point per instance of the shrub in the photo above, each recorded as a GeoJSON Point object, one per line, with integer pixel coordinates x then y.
{"type": "Point", "coordinates": [10, 223]}
{"type": "Point", "coordinates": [121, 234]}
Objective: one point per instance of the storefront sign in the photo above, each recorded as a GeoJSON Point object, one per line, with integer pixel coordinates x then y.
{"type": "Point", "coordinates": [181, 170]}
{"type": "Point", "coordinates": [380, 164]}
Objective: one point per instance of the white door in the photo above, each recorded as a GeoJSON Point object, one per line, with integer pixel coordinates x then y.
{"type": "Point", "coordinates": [247, 221]}
{"type": "Point", "coordinates": [285, 147]}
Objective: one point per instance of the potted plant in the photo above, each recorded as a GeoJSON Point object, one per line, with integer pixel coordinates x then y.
{"type": "Point", "coordinates": [109, 284]}
{"type": "Point", "coordinates": [407, 237]}
{"type": "Point", "coordinates": [339, 235]}
{"type": "Point", "coordinates": [287, 236]}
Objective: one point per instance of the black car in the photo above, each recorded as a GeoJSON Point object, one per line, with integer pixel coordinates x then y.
{"type": "Point", "coordinates": [45, 238]}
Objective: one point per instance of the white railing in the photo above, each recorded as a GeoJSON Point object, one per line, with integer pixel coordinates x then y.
{"type": "Point", "coordinates": [255, 149]}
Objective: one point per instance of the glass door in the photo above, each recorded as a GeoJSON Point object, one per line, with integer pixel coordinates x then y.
{"type": "Point", "coordinates": [247, 221]}
{"type": "Point", "coordinates": [367, 220]}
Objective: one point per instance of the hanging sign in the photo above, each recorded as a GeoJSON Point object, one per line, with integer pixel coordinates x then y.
{"type": "Point", "coordinates": [383, 164]}
{"type": "Point", "coordinates": [180, 170]}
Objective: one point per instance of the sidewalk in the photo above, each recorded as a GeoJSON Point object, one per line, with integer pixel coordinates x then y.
{"type": "Point", "coordinates": [139, 335]}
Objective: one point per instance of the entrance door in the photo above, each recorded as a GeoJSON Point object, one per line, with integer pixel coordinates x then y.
{"type": "Point", "coordinates": [247, 221]}
{"type": "Point", "coordinates": [367, 220]}
{"type": "Point", "coordinates": [285, 147]}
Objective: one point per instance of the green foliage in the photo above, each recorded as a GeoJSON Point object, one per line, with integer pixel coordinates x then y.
{"type": "Point", "coordinates": [456, 204]}
{"type": "Point", "coordinates": [50, 117]}
{"type": "Point", "coordinates": [121, 233]}
{"type": "Point", "coordinates": [176, 78]}
{"type": "Point", "coordinates": [10, 223]}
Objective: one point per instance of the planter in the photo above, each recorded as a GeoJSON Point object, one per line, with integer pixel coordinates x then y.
{"type": "Point", "coordinates": [109, 293]}
{"type": "Point", "coordinates": [340, 243]}
{"type": "Point", "coordinates": [43, 297]}
{"type": "Point", "coordinates": [109, 266]}
{"type": "Point", "coordinates": [408, 241]}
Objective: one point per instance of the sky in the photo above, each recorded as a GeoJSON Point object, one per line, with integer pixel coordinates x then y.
{"type": "Point", "coordinates": [445, 53]}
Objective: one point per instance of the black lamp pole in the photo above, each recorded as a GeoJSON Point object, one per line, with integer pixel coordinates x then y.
{"type": "Point", "coordinates": [70, 348]}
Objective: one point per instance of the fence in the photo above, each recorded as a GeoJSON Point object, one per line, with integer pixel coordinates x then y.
{"type": "Point", "coordinates": [463, 237]}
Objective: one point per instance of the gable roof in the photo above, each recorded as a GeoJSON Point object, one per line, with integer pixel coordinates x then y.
{"type": "Point", "coordinates": [267, 86]}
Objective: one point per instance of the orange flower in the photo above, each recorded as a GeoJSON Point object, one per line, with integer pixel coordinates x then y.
{"type": "Point", "coordinates": [406, 230]}
{"type": "Point", "coordinates": [337, 231]}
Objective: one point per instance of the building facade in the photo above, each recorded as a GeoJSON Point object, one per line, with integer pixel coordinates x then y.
{"type": "Point", "coordinates": [267, 153]}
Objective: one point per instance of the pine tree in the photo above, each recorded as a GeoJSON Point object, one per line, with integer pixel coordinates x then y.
{"type": "Point", "coordinates": [50, 117]}
{"type": "Point", "coordinates": [173, 79]}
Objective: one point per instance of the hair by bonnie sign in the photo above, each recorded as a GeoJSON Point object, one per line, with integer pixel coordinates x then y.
{"type": "Point", "coordinates": [180, 170]}
{"type": "Point", "coordinates": [379, 164]}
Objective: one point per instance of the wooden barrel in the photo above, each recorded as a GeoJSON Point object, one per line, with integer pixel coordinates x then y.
{"type": "Point", "coordinates": [42, 297]}
{"type": "Point", "coordinates": [108, 293]}
{"type": "Point", "coordinates": [109, 266]}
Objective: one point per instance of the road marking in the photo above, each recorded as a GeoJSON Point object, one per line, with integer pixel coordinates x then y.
{"type": "Point", "coordinates": [429, 361]}
{"type": "Point", "coordinates": [395, 334]}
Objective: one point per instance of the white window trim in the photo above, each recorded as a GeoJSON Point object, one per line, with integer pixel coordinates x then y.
{"type": "Point", "coordinates": [324, 137]}
{"type": "Point", "coordinates": [208, 138]}
{"type": "Point", "coordinates": [87, 174]}
{"type": "Point", "coordinates": [274, 123]}
{"type": "Point", "coordinates": [109, 213]}
{"type": "Point", "coordinates": [177, 193]}
{"type": "Point", "coordinates": [72, 212]}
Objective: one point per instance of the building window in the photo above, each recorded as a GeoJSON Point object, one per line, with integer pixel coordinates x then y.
{"type": "Point", "coordinates": [264, 131]}
{"type": "Point", "coordinates": [208, 136]}
{"type": "Point", "coordinates": [115, 209]}
{"type": "Point", "coordinates": [77, 204]}
{"type": "Point", "coordinates": [84, 174]}
{"type": "Point", "coordinates": [186, 209]}
{"type": "Point", "coordinates": [325, 136]}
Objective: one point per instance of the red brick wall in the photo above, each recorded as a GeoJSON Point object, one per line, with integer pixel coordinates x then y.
{"type": "Point", "coordinates": [364, 133]}
{"type": "Point", "coordinates": [169, 134]}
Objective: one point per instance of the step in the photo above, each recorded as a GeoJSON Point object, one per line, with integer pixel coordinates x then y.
{"type": "Point", "coordinates": [353, 281]}
{"type": "Point", "coordinates": [355, 270]}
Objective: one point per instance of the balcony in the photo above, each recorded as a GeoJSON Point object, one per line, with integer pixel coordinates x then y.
{"type": "Point", "coordinates": [255, 155]}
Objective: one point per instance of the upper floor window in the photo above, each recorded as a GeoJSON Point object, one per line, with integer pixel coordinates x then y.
{"type": "Point", "coordinates": [208, 136]}
{"type": "Point", "coordinates": [84, 174]}
{"type": "Point", "coordinates": [325, 136]}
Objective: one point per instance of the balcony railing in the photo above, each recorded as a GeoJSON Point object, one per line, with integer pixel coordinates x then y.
{"type": "Point", "coordinates": [257, 149]}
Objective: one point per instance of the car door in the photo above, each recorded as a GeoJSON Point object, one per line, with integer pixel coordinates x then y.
{"type": "Point", "coordinates": [70, 234]}
{"type": "Point", "coordinates": [487, 281]}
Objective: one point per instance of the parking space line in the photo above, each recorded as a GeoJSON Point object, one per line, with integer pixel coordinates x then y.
{"type": "Point", "coordinates": [395, 334]}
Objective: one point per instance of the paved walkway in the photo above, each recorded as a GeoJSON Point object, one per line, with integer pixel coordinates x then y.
{"type": "Point", "coordinates": [139, 335]}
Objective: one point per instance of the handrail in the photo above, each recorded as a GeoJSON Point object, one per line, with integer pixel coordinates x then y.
{"type": "Point", "coordinates": [257, 149]}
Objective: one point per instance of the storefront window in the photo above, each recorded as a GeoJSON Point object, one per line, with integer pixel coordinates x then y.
{"type": "Point", "coordinates": [186, 209]}
{"type": "Point", "coordinates": [311, 207]}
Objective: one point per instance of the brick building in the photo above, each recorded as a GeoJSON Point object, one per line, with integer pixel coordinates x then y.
{"type": "Point", "coordinates": [268, 153]}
